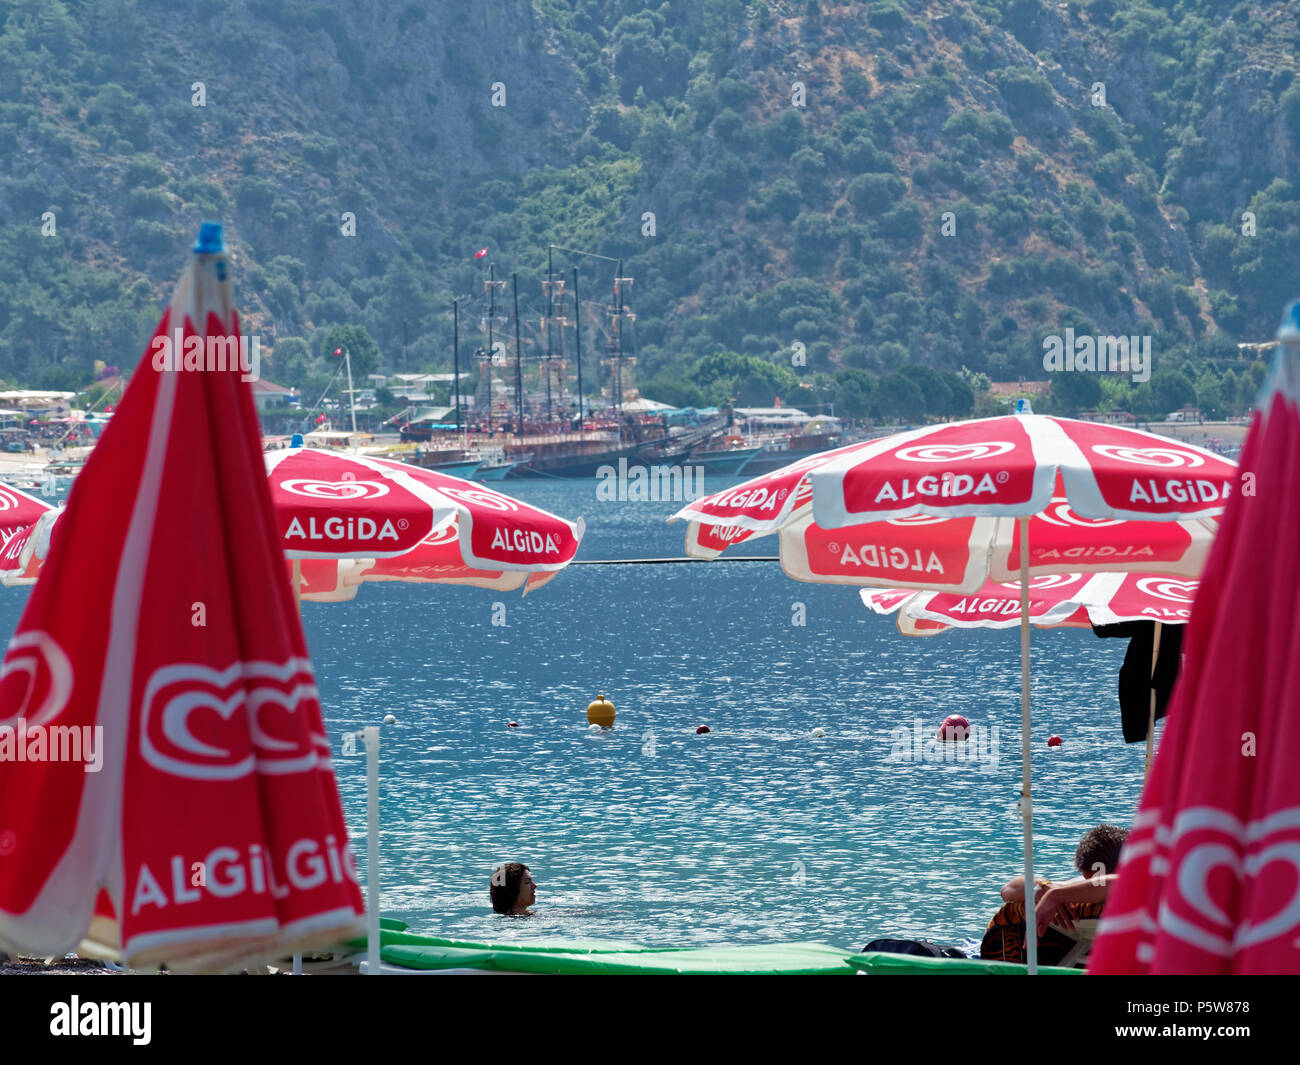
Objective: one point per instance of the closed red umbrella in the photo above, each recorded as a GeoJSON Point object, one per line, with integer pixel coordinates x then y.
{"type": "Point", "coordinates": [1209, 880]}
{"type": "Point", "coordinates": [162, 637]}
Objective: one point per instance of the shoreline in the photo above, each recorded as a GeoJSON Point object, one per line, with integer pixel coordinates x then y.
{"type": "Point", "coordinates": [27, 965]}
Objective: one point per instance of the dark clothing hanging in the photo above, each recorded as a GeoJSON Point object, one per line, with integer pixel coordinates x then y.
{"type": "Point", "coordinates": [1135, 679]}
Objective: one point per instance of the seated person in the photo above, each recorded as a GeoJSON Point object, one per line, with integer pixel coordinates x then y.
{"type": "Point", "coordinates": [513, 890]}
{"type": "Point", "coordinates": [1059, 905]}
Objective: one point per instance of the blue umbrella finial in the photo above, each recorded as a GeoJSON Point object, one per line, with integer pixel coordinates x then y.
{"type": "Point", "coordinates": [211, 239]}
{"type": "Point", "coordinates": [1289, 331]}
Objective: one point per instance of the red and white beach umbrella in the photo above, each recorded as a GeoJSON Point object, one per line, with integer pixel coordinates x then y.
{"type": "Point", "coordinates": [175, 755]}
{"type": "Point", "coordinates": [345, 520]}
{"type": "Point", "coordinates": [349, 519]}
{"type": "Point", "coordinates": [927, 527]}
{"type": "Point", "coordinates": [1057, 600]}
{"type": "Point", "coordinates": [19, 513]}
{"type": "Point", "coordinates": [1209, 879]}
{"type": "Point", "coordinates": [950, 506]}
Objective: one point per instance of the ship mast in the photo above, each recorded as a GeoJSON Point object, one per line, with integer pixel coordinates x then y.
{"type": "Point", "coordinates": [618, 312]}
{"type": "Point", "coordinates": [490, 286]}
{"type": "Point", "coordinates": [455, 356]}
{"type": "Point", "coordinates": [618, 315]}
{"type": "Point", "coordinates": [549, 286]}
{"type": "Point", "coordinates": [577, 341]}
{"type": "Point", "coordinates": [519, 364]}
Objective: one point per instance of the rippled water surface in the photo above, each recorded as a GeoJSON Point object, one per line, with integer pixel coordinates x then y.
{"type": "Point", "coordinates": [648, 832]}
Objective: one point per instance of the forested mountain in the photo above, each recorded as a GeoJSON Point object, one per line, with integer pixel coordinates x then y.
{"type": "Point", "coordinates": [933, 185]}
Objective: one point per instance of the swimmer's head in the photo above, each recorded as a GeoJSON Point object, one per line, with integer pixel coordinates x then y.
{"type": "Point", "coordinates": [513, 889]}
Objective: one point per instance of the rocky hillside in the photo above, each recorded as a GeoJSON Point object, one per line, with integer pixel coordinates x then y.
{"type": "Point", "coordinates": [892, 185]}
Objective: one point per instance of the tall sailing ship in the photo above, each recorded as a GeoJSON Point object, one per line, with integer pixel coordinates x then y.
{"type": "Point", "coordinates": [548, 431]}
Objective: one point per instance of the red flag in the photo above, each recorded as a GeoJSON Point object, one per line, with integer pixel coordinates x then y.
{"type": "Point", "coordinates": [480, 253]}
{"type": "Point", "coordinates": [320, 418]}
{"type": "Point", "coordinates": [163, 632]}
{"type": "Point", "coordinates": [336, 353]}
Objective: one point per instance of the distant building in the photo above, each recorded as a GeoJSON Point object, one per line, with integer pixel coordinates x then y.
{"type": "Point", "coordinates": [1256, 351]}
{"type": "Point", "coordinates": [30, 399]}
{"type": "Point", "coordinates": [1019, 388]}
{"type": "Point", "coordinates": [267, 395]}
{"type": "Point", "coordinates": [417, 386]}
{"type": "Point", "coordinates": [1109, 417]}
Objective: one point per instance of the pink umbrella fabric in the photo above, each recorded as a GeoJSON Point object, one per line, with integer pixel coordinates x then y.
{"type": "Point", "coordinates": [1062, 600]}
{"type": "Point", "coordinates": [353, 519]}
{"type": "Point", "coordinates": [345, 520]}
{"type": "Point", "coordinates": [437, 559]}
{"type": "Point", "coordinates": [162, 637]}
{"type": "Point", "coordinates": [929, 529]}
{"type": "Point", "coordinates": [1209, 880]}
{"type": "Point", "coordinates": [1009, 466]}
{"type": "Point", "coordinates": [19, 513]}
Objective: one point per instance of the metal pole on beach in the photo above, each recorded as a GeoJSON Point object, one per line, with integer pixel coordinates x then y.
{"type": "Point", "coordinates": [1151, 721]}
{"type": "Point", "coordinates": [1026, 750]}
{"type": "Point", "coordinates": [371, 736]}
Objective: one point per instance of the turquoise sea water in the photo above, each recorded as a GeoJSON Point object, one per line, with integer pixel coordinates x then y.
{"type": "Point", "coordinates": [756, 832]}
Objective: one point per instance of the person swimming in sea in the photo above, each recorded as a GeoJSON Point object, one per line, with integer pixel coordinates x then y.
{"type": "Point", "coordinates": [513, 890]}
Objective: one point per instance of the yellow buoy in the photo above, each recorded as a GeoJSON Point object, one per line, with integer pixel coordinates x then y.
{"type": "Point", "coordinates": [601, 712]}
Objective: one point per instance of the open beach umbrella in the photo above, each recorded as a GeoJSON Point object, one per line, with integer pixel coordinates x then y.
{"type": "Point", "coordinates": [19, 513]}
{"type": "Point", "coordinates": [1209, 879]}
{"type": "Point", "coordinates": [1056, 600]}
{"type": "Point", "coordinates": [348, 519]}
{"type": "Point", "coordinates": [176, 766]}
{"type": "Point", "coordinates": [950, 506]}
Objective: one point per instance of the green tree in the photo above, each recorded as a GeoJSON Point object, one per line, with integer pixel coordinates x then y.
{"type": "Point", "coordinates": [1073, 392]}
{"type": "Point", "coordinates": [363, 351]}
{"type": "Point", "coordinates": [898, 399]}
{"type": "Point", "coordinates": [1169, 390]}
{"type": "Point", "coordinates": [854, 391]}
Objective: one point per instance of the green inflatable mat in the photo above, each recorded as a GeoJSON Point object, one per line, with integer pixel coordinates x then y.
{"type": "Point", "coordinates": [780, 958]}
{"type": "Point", "coordinates": [610, 957]}
{"type": "Point", "coordinates": [892, 964]}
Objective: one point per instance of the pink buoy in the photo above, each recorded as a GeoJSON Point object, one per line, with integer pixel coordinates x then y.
{"type": "Point", "coordinates": [1054, 741]}
{"type": "Point", "coordinates": [512, 724]}
{"type": "Point", "coordinates": [954, 729]}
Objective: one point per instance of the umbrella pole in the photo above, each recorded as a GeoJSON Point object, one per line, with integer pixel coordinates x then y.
{"type": "Point", "coordinates": [1026, 794]}
{"type": "Point", "coordinates": [371, 735]}
{"type": "Point", "coordinates": [1151, 721]}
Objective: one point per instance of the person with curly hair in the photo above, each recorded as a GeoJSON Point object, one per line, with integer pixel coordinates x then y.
{"type": "Point", "coordinates": [1096, 860]}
